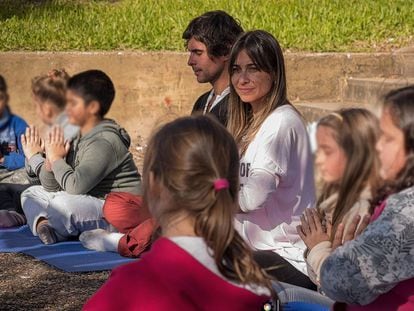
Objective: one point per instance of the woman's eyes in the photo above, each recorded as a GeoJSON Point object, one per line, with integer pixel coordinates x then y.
{"type": "Point", "coordinates": [236, 69]}
{"type": "Point", "coordinates": [252, 69]}
{"type": "Point", "coordinates": [328, 152]}
{"type": "Point", "coordinates": [387, 138]}
{"type": "Point", "coordinates": [325, 151]}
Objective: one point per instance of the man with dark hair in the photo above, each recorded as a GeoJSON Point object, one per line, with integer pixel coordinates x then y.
{"type": "Point", "coordinates": [209, 39]}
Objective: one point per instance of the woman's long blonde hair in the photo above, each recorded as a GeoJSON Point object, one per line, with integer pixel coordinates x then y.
{"type": "Point", "coordinates": [185, 157]}
{"type": "Point", "coordinates": [356, 132]}
{"type": "Point", "coordinates": [265, 52]}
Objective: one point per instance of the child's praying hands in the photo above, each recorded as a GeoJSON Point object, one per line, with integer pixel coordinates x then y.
{"type": "Point", "coordinates": [31, 142]}
{"type": "Point", "coordinates": [311, 230]}
{"type": "Point", "coordinates": [355, 228]}
{"type": "Point", "coordinates": [56, 147]}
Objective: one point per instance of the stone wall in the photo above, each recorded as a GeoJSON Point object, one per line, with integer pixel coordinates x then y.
{"type": "Point", "coordinates": [152, 85]}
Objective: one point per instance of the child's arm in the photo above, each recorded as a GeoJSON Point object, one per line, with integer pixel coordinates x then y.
{"type": "Point", "coordinates": [377, 260]}
{"type": "Point", "coordinates": [47, 178]}
{"type": "Point", "coordinates": [55, 148]}
{"type": "Point", "coordinates": [96, 161]}
{"type": "Point", "coordinates": [34, 165]}
{"type": "Point", "coordinates": [316, 239]}
{"type": "Point", "coordinates": [15, 159]}
{"type": "Point", "coordinates": [34, 151]}
{"type": "Point", "coordinates": [324, 247]}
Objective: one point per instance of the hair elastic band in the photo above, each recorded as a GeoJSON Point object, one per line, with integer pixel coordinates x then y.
{"type": "Point", "coordinates": [221, 183]}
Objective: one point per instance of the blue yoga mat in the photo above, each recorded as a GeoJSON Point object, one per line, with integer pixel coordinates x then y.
{"type": "Point", "coordinates": [67, 256]}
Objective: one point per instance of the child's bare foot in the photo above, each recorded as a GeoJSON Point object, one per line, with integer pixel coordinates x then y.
{"type": "Point", "coordinates": [100, 240]}
{"type": "Point", "coordinates": [45, 232]}
{"type": "Point", "coordinates": [11, 219]}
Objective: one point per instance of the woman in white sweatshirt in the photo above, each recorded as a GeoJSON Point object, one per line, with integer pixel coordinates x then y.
{"type": "Point", "coordinates": [276, 165]}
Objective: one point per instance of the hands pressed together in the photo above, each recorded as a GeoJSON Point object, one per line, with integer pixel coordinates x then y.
{"type": "Point", "coordinates": [55, 147]}
{"type": "Point", "coordinates": [31, 142]}
{"type": "Point", "coordinates": [313, 232]}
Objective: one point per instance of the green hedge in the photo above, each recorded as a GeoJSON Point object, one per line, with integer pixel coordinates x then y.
{"type": "Point", "coordinates": [152, 25]}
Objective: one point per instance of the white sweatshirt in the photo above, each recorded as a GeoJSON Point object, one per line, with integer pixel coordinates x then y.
{"type": "Point", "coordinates": [277, 184]}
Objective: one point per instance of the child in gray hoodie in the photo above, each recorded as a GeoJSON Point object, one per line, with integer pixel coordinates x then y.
{"type": "Point", "coordinates": [77, 176]}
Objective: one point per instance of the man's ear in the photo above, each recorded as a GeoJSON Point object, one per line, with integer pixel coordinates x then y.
{"type": "Point", "coordinates": [226, 58]}
{"type": "Point", "coordinates": [94, 107]}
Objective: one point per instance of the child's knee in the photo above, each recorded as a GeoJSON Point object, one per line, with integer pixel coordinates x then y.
{"type": "Point", "coordinates": [31, 197]}
{"type": "Point", "coordinates": [60, 204]}
{"type": "Point", "coordinates": [31, 192]}
{"type": "Point", "coordinates": [124, 211]}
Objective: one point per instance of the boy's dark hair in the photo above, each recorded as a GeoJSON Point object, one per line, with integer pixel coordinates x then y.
{"type": "Point", "coordinates": [94, 85]}
{"type": "Point", "coordinates": [216, 29]}
{"type": "Point", "coordinates": [3, 84]}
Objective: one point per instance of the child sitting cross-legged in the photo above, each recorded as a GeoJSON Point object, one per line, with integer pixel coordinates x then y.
{"type": "Point", "coordinates": [375, 271]}
{"type": "Point", "coordinates": [348, 165]}
{"type": "Point", "coordinates": [76, 177]}
{"type": "Point", "coordinates": [49, 98]}
{"type": "Point", "coordinates": [374, 268]}
{"type": "Point", "coordinates": [11, 151]}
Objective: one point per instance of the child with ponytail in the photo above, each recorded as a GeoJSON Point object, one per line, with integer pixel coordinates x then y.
{"type": "Point", "coordinates": [49, 98]}
{"type": "Point", "coordinates": [200, 262]}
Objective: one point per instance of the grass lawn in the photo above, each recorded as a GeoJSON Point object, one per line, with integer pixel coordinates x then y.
{"type": "Point", "coordinates": [152, 25]}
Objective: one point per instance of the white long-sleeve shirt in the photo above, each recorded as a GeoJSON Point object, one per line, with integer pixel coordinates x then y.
{"type": "Point", "coordinates": [277, 184]}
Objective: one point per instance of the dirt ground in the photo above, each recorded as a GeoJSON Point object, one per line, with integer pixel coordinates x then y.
{"type": "Point", "coordinates": [29, 284]}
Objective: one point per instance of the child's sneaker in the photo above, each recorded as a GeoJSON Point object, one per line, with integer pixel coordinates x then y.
{"type": "Point", "coordinates": [46, 233]}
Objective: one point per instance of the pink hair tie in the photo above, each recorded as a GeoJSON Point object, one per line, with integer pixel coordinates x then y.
{"type": "Point", "coordinates": [221, 183]}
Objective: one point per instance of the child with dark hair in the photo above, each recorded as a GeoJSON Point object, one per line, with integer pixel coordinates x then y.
{"type": "Point", "coordinates": [209, 38]}
{"type": "Point", "coordinates": [11, 128]}
{"type": "Point", "coordinates": [76, 177]}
